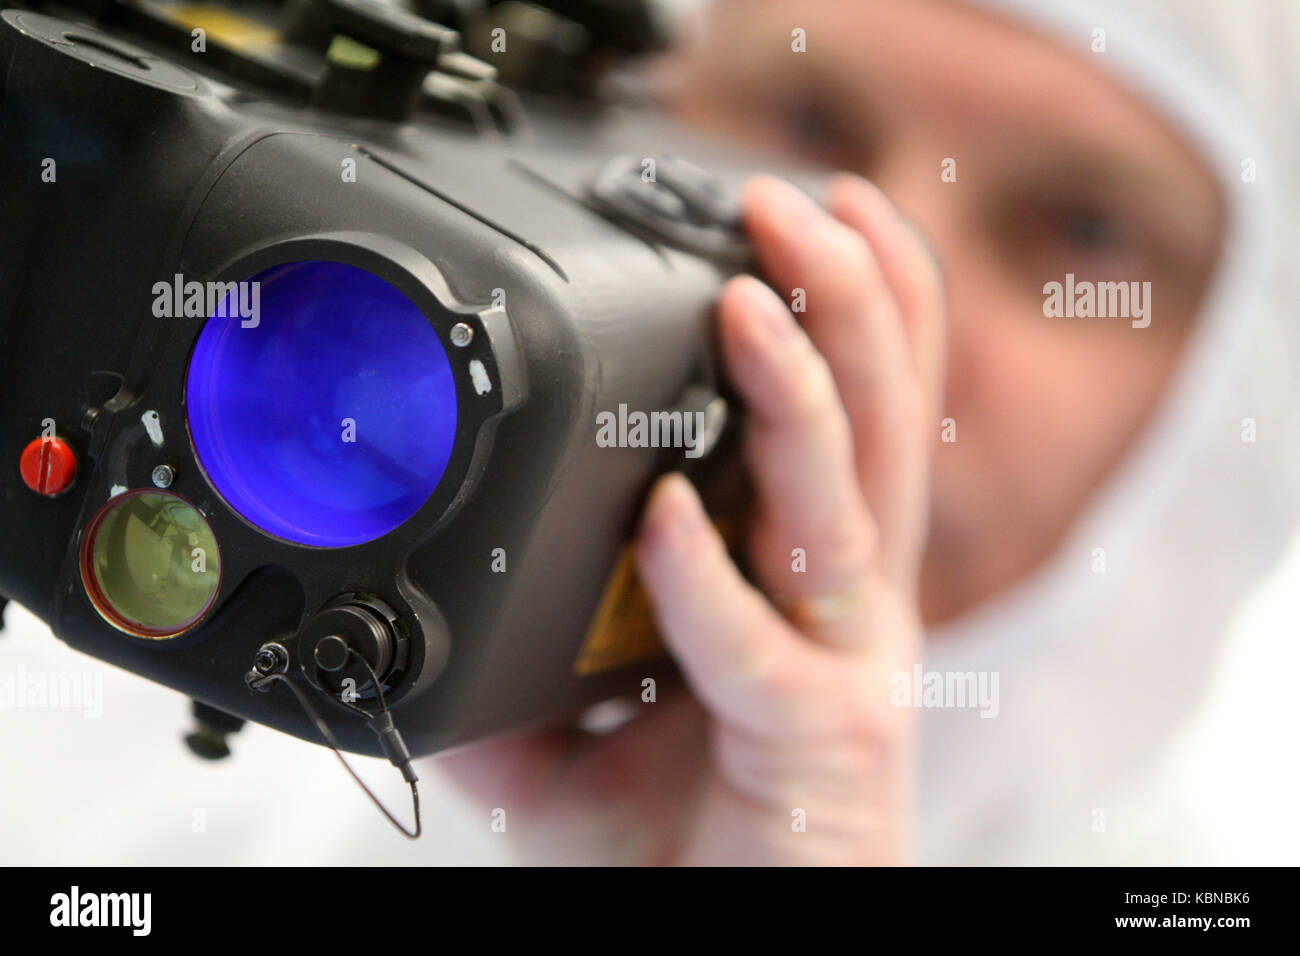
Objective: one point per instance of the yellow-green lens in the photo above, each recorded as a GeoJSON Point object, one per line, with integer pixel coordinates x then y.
{"type": "Point", "coordinates": [150, 564]}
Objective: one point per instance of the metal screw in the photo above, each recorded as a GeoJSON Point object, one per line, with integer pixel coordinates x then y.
{"type": "Point", "coordinates": [270, 658]}
{"type": "Point", "coordinates": [163, 475]}
{"type": "Point", "coordinates": [461, 335]}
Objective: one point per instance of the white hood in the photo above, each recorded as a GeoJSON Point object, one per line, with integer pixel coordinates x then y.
{"type": "Point", "coordinates": [1112, 685]}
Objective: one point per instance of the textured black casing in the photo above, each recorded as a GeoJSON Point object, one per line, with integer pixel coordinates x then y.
{"type": "Point", "coordinates": [162, 171]}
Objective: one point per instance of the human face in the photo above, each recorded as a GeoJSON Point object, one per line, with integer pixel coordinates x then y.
{"type": "Point", "coordinates": [1058, 170]}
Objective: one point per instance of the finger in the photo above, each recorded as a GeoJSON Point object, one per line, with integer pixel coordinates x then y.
{"type": "Point", "coordinates": [739, 656]}
{"type": "Point", "coordinates": [908, 265]}
{"type": "Point", "coordinates": [813, 538]}
{"type": "Point", "coordinates": [850, 312]}
{"type": "Point", "coordinates": [854, 322]}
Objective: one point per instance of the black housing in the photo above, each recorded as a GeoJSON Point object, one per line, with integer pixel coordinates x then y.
{"type": "Point", "coordinates": [168, 163]}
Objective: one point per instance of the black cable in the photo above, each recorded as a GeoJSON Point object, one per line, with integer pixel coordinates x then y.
{"type": "Point", "coordinates": [389, 739]}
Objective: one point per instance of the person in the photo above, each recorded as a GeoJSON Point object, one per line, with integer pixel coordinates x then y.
{"type": "Point", "coordinates": [1069, 501]}
{"type": "Point", "coordinates": [1085, 513]}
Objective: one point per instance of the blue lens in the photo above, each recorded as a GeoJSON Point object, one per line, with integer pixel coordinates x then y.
{"type": "Point", "coordinates": [327, 418]}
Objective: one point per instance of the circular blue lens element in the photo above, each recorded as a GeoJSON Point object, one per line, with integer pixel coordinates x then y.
{"type": "Point", "coordinates": [324, 410]}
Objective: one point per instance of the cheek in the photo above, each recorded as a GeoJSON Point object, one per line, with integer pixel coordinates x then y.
{"type": "Point", "coordinates": [1045, 409]}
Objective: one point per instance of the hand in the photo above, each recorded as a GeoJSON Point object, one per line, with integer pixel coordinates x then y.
{"type": "Point", "coordinates": [786, 749]}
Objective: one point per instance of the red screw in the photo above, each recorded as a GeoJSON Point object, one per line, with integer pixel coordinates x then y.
{"type": "Point", "coordinates": [48, 466]}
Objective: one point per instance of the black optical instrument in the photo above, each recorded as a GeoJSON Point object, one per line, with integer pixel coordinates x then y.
{"type": "Point", "coordinates": [330, 360]}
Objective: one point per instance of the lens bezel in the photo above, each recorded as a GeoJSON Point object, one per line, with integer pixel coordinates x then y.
{"type": "Point", "coordinates": [423, 285]}
{"type": "Point", "coordinates": [95, 592]}
{"type": "Point", "coordinates": [332, 340]}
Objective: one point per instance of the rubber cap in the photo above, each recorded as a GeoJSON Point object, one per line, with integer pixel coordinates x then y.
{"type": "Point", "coordinates": [48, 466]}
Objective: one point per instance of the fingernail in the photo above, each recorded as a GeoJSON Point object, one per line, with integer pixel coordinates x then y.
{"type": "Point", "coordinates": [855, 185]}
{"type": "Point", "coordinates": [672, 514]}
{"type": "Point", "coordinates": [795, 206]}
{"type": "Point", "coordinates": [773, 314]}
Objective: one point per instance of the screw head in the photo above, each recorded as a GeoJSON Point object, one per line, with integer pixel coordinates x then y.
{"type": "Point", "coordinates": [163, 476]}
{"type": "Point", "coordinates": [461, 335]}
{"type": "Point", "coordinates": [270, 658]}
{"type": "Point", "coordinates": [48, 465]}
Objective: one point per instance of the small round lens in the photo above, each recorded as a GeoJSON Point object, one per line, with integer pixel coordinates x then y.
{"type": "Point", "coordinates": [150, 564]}
{"type": "Point", "coordinates": [326, 415]}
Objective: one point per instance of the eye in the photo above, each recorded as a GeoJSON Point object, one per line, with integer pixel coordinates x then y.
{"type": "Point", "coordinates": [1089, 231]}
{"type": "Point", "coordinates": [1050, 237]}
{"type": "Point", "coordinates": [812, 129]}
{"type": "Point", "coordinates": [809, 124]}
